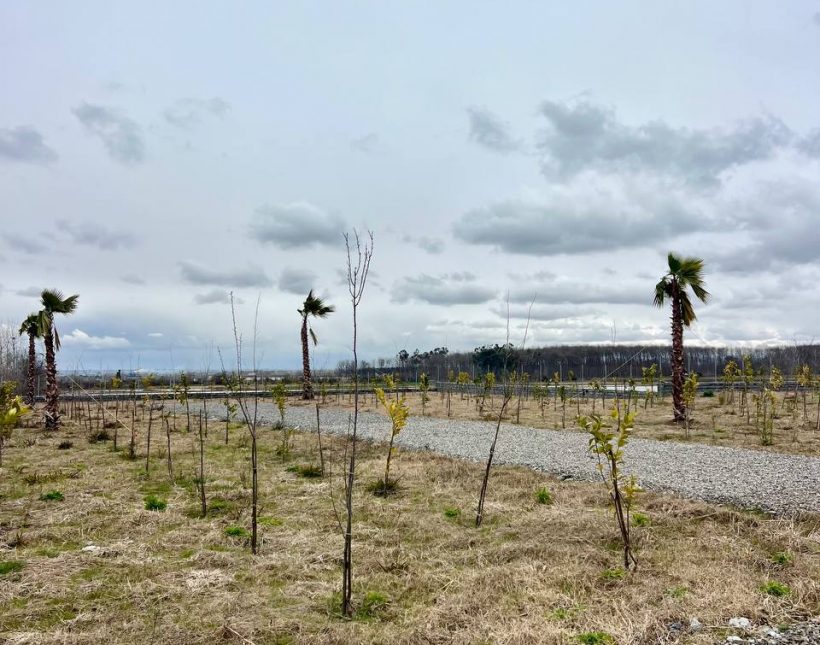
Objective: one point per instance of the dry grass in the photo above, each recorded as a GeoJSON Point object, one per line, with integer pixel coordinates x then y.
{"type": "Point", "coordinates": [422, 572]}
{"type": "Point", "coordinates": [712, 422]}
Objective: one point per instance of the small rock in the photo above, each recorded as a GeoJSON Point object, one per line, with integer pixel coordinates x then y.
{"type": "Point", "coordinates": [740, 623]}
{"type": "Point", "coordinates": [93, 548]}
{"type": "Point", "coordinates": [695, 625]}
{"type": "Point", "coordinates": [734, 639]}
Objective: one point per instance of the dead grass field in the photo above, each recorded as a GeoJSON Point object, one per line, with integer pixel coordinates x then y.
{"type": "Point", "coordinates": [711, 423]}
{"type": "Point", "coordinates": [546, 573]}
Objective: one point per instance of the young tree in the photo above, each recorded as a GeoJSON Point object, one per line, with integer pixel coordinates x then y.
{"type": "Point", "coordinates": [316, 308]}
{"type": "Point", "coordinates": [31, 327]}
{"type": "Point", "coordinates": [356, 281]}
{"type": "Point", "coordinates": [398, 412]}
{"type": "Point", "coordinates": [683, 273]}
{"type": "Point", "coordinates": [12, 409]}
{"type": "Point", "coordinates": [53, 303]}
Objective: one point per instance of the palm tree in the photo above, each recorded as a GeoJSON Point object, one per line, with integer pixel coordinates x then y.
{"type": "Point", "coordinates": [31, 326]}
{"type": "Point", "coordinates": [683, 273]}
{"type": "Point", "coordinates": [53, 303]}
{"type": "Point", "coordinates": [316, 308]}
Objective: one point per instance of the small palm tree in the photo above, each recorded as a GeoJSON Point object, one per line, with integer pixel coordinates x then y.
{"type": "Point", "coordinates": [31, 327]}
{"type": "Point", "coordinates": [683, 273]}
{"type": "Point", "coordinates": [53, 303]}
{"type": "Point", "coordinates": [316, 308]}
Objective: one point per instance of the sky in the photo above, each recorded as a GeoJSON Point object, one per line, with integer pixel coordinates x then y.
{"type": "Point", "coordinates": [155, 157]}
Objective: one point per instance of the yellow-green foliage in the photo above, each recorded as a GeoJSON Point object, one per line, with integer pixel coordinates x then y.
{"type": "Point", "coordinates": [463, 378]}
{"type": "Point", "coordinates": [690, 389]}
{"type": "Point", "coordinates": [12, 408]}
{"type": "Point", "coordinates": [776, 379]}
{"type": "Point", "coordinates": [280, 398]}
{"type": "Point", "coordinates": [397, 410]}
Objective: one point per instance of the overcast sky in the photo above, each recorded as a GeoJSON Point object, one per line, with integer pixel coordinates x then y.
{"type": "Point", "coordinates": [155, 156]}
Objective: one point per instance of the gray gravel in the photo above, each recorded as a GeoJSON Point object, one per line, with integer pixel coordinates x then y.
{"type": "Point", "coordinates": [751, 479]}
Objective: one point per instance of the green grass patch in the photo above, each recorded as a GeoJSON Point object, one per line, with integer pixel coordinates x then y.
{"type": "Point", "coordinates": [10, 566]}
{"type": "Point", "coordinates": [543, 496]}
{"type": "Point", "coordinates": [270, 521]}
{"type": "Point", "coordinates": [452, 512]}
{"type": "Point", "coordinates": [615, 573]}
{"type": "Point", "coordinates": [155, 503]}
{"type": "Point", "coordinates": [237, 532]}
{"type": "Point", "coordinates": [782, 557]}
{"type": "Point", "coordinates": [775, 588]}
{"type": "Point", "coordinates": [640, 519]}
{"type": "Point", "coordinates": [595, 638]}
{"type": "Point", "coordinates": [52, 496]}
{"type": "Point", "coordinates": [373, 604]}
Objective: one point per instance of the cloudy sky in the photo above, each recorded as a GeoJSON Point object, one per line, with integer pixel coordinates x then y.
{"type": "Point", "coordinates": [155, 156]}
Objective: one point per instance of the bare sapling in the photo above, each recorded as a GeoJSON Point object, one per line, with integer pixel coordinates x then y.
{"type": "Point", "coordinates": [146, 384]}
{"type": "Point", "coordinates": [648, 377]}
{"type": "Point", "coordinates": [201, 478]}
{"type": "Point", "coordinates": [358, 267]}
{"type": "Point", "coordinates": [169, 459]}
{"type": "Point", "coordinates": [690, 391]}
{"type": "Point", "coordinates": [424, 388]}
{"type": "Point", "coordinates": [280, 399]}
{"type": "Point", "coordinates": [608, 447]}
{"type": "Point", "coordinates": [250, 412]}
{"type": "Point", "coordinates": [509, 379]}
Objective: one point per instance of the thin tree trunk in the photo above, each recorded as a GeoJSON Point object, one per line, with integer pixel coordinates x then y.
{"type": "Point", "coordinates": [347, 557]}
{"type": "Point", "coordinates": [480, 514]}
{"type": "Point", "coordinates": [169, 460]}
{"type": "Point", "coordinates": [202, 468]}
{"type": "Point", "coordinates": [319, 434]}
{"type": "Point", "coordinates": [148, 441]}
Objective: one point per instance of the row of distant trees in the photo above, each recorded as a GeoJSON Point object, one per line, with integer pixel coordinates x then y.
{"type": "Point", "coordinates": [584, 361]}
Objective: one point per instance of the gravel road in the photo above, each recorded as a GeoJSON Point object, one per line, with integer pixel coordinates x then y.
{"type": "Point", "coordinates": [751, 479]}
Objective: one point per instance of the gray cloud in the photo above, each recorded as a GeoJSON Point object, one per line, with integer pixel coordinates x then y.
{"type": "Point", "coordinates": [297, 225]}
{"type": "Point", "coordinates": [564, 291]}
{"type": "Point", "coordinates": [132, 278]}
{"type": "Point", "coordinates": [367, 143]}
{"type": "Point", "coordinates": [195, 273]}
{"type": "Point", "coordinates": [96, 234]}
{"type": "Point", "coordinates": [542, 312]}
{"type": "Point", "coordinates": [188, 112]}
{"type": "Point", "coordinates": [583, 135]}
{"type": "Point", "coordinates": [296, 281]}
{"type": "Point", "coordinates": [25, 245]}
{"type": "Point", "coordinates": [780, 223]}
{"type": "Point", "coordinates": [121, 135]}
{"type": "Point", "coordinates": [487, 130]}
{"type": "Point", "coordinates": [434, 245]}
{"type": "Point", "coordinates": [578, 220]}
{"type": "Point", "coordinates": [29, 292]}
{"type": "Point", "coordinates": [447, 289]}
{"type": "Point", "coordinates": [214, 297]}
{"type": "Point", "coordinates": [24, 145]}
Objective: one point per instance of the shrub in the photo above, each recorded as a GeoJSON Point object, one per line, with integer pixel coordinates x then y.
{"type": "Point", "coordinates": [97, 436]}
{"type": "Point", "coordinates": [10, 566]}
{"type": "Point", "coordinates": [155, 503]}
{"type": "Point", "coordinates": [64, 445]}
{"type": "Point", "coordinates": [708, 394]}
{"type": "Point", "coordinates": [52, 496]}
{"type": "Point", "coordinates": [774, 588]}
{"type": "Point", "coordinates": [309, 471]}
{"type": "Point", "coordinates": [452, 512]}
{"type": "Point", "coordinates": [543, 496]}
{"type": "Point", "coordinates": [379, 489]}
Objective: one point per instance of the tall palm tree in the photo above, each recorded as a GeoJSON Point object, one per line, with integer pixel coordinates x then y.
{"type": "Point", "coordinates": [683, 273]}
{"type": "Point", "coordinates": [31, 326]}
{"type": "Point", "coordinates": [53, 303]}
{"type": "Point", "coordinates": [316, 308]}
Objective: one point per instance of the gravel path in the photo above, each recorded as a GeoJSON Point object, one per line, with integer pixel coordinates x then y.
{"type": "Point", "coordinates": [781, 484]}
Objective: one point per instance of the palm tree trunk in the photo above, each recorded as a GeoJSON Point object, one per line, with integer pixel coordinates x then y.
{"type": "Point", "coordinates": [679, 407]}
{"type": "Point", "coordinates": [31, 373]}
{"type": "Point", "coordinates": [52, 414]}
{"type": "Point", "coordinates": [307, 387]}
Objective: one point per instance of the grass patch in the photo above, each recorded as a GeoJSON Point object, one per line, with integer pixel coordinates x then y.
{"type": "Point", "coordinates": [155, 503]}
{"type": "Point", "coordinates": [640, 519]}
{"type": "Point", "coordinates": [309, 472]}
{"type": "Point", "coordinates": [615, 573]}
{"type": "Point", "coordinates": [776, 589]}
{"type": "Point", "coordinates": [52, 496]}
{"type": "Point", "coordinates": [595, 638]}
{"type": "Point", "coordinates": [543, 496]}
{"type": "Point", "coordinates": [373, 604]}
{"type": "Point", "coordinates": [237, 532]}
{"type": "Point", "coordinates": [782, 557]}
{"type": "Point", "coordinates": [65, 445]}
{"type": "Point", "coordinates": [10, 566]}
{"type": "Point", "coordinates": [378, 488]}
{"type": "Point", "coordinates": [452, 512]}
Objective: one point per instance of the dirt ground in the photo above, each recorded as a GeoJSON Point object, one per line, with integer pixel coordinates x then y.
{"type": "Point", "coordinates": [83, 561]}
{"type": "Point", "coordinates": [712, 421]}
